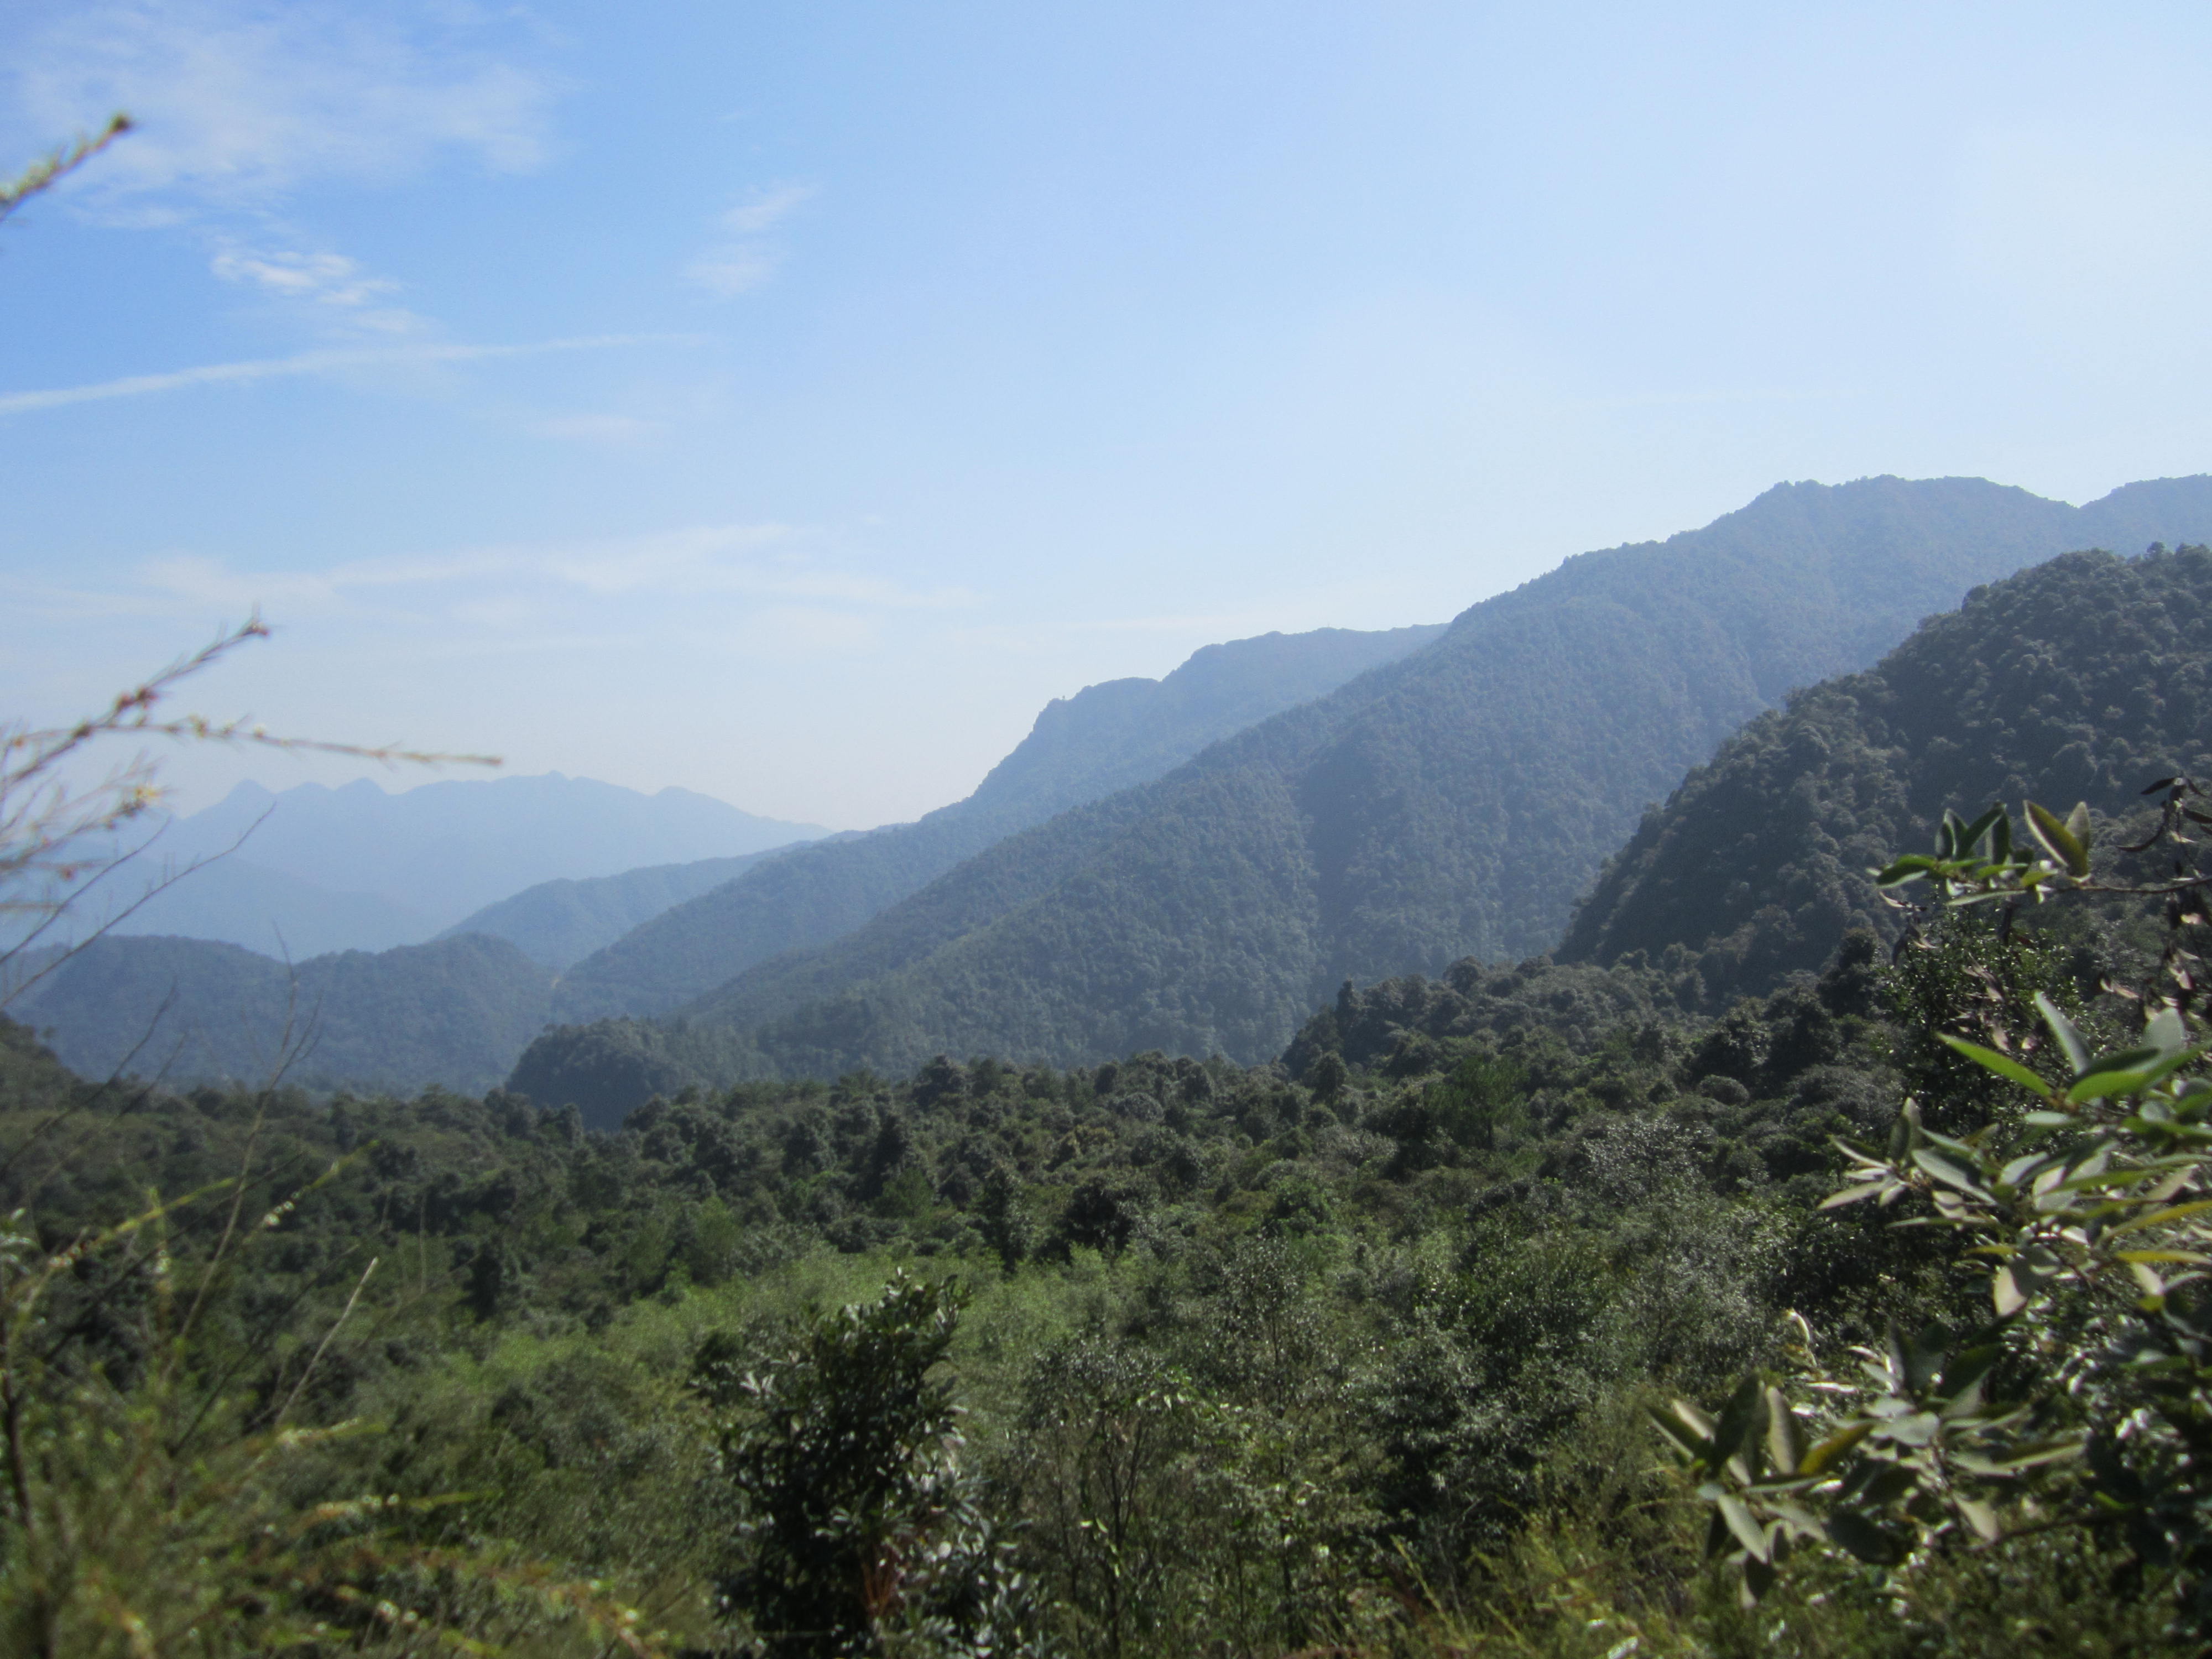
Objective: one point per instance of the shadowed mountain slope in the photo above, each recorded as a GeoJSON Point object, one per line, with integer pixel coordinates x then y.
{"type": "Point", "coordinates": [1101, 740]}
{"type": "Point", "coordinates": [2083, 679]}
{"type": "Point", "coordinates": [454, 1012]}
{"type": "Point", "coordinates": [1450, 804]}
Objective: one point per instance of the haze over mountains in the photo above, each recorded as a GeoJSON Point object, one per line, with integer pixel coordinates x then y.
{"type": "Point", "coordinates": [558, 923]}
{"type": "Point", "coordinates": [109, 1006]}
{"type": "Point", "coordinates": [1104, 739]}
{"type": "Point", "coordinates": [1194, 865]}
{"type": "Point", "coordinates": [1453, 804]}
{"type": "Point", "coordinates": [312, 869]}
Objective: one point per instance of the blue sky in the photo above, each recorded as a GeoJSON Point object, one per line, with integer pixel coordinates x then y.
{"type": "Point", "coordinates": [785, 401]}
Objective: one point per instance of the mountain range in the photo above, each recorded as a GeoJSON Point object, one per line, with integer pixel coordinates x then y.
{"type": "Point", "coordinates": [1106, 738]}
{"type": "Point", "coordinates": [1194, 865]}
{"type": "Point", "coordinates": [1452, 803]}
{"type": "Point", "coordinates": [206, 1008]}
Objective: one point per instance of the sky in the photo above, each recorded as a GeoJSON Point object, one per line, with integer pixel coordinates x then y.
{"type": "Point", "coordinates": [785, 401]}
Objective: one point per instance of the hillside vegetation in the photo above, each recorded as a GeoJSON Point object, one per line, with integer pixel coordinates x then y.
{"type": "Point", "coordinates": [1451, 805]}
{"type": "Point", "coordinates": [1144, 1358]}
{"type": "Point", "coordinates": [453, 1013]}
{"type": "Point", "coordinates": [1104, 739]}
{"type": "Point", "coordinates": [2080, 680]}
{"type": "Point", "coordinates": [1507, 1311]}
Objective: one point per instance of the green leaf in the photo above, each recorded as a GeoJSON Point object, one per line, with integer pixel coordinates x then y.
{"type": "Point", "coordinates": [1981, 826]}
{"type": "Point", "coordinates": [1913, 1429]}
{"type": "Point", "coordinates": [2164, 1030]}
{"type": "Point", "coordinates": [1981, 1516]}
{"type": "Point", "coordinates": [2077, 1052]}
{"type": "Point", "coordinates": [2065, 849]}
{"type": "Point", "coordinates": [1989, 1060]}
{"type": "Point", "coordinates": [1853, 1194]}
{"type": "Point", "coordinates": [1785, 1443]}
{"type": "Point", "coordinates": [1743, 1419]}
{"type": "Point", "coordinates": [1910, 867]}
{"type": "Point", "coordinates": [2077, 825]}
{"type": "Point", "coordinates": [1923, 1355]}
{"type": "Point", "coordinates": [2038, 1452]}
{"type": "Point", "coordinates": [1741, 1522]}
{"type": "Point", "coordinates": [1817, 1460]}
{"type": "Point", "coordinates": [1696, 1446]}
{"type": "Point", "coordinates": [1950, 1174]}
{"type": "Point", "coordinates": [2158, 1218]}
{"type": "Point", "coordinates": [1966, 1369]}
{"type": "Point", "coordinates": [1862, 1538]}
{"type": "Point", "coordinates": [2108, 1081]}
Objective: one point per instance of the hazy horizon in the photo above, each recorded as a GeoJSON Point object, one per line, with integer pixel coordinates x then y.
{"type": "Point", "coordinates": [785, 404]}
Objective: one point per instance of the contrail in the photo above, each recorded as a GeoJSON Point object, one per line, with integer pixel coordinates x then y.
{"type": "Point", "coordinates": [311, 363]}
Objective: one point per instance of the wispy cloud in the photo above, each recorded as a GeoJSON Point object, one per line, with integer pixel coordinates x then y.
{"type": "Point", "coordinates": [240, 103]}
{"type": "Point", "coordinates": [332, 286]}
{"type": "Point", "coordinates": [737, 271]}
{"type": "Point", "coordinates": [745, 259]}
{"type": "Point", "coordinates": [307, 363]}
{"type": "Point", "coordinates": [749, 564]}
{"type": "Point", "coordinates": [765, 209]}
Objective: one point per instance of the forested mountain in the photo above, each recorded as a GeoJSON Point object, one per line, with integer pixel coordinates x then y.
{"type": "Point", "coordinates": [558, 923]}
{"type": "Point", "coordinates": [452, 1013]}
{"type": "Point", "coordinates": [459, 1011]}
{"type": "Point", "coordinates": [315, 869]}
{"type": "Point", "coordinates": [2083, 679]}
{"type": "Point", "coordinates": [1102, 739]}
{"type": "Point", "coordinates": [1450, 804]}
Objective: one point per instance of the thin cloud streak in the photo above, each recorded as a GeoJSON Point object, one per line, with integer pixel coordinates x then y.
{"type": "Point", "coordinates": [314, 362]}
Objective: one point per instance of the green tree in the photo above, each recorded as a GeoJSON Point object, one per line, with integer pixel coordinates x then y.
{"type": "Point", "coordinates": [2083, 1401]}
{"type": "Point", "coordinates": [863, 1531]}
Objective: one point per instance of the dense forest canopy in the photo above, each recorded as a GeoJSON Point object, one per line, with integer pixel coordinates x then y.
{"type": "Point", "coordinates": [2079, 680]}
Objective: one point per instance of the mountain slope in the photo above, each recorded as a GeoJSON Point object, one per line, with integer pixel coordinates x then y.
{"type": "Point", "coordinates": [235, 900]}
{"type": "Point", "coordinates": [2083, 679]}
{"type": "Point", "coordinates": [1447, 805]}
{"type": "Point", "coordinates": [455, 1012]}
{"type": "Point", "coordinates": [356, 867]}
{"type": "Point", "coordinates": [1102, 739]}
{"type": "Point", "coordinates": [558, 923]}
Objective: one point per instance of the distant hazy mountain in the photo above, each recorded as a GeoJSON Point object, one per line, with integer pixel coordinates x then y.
{"type": "Point", "coordinates": [455, 1012]}
{"type": "Point", "coordinates": [272, 911]}
{"type": "Point", "coordinates": [1083, 747]}
{"type": "Point", "coordinates": [1450, 804]}
{"type": "Point", "coordinates": [557, 923]}
{"type": "Point", "coordinates": [2083, 679]}
{"type": "Point", "coordinates": [316, 869]}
